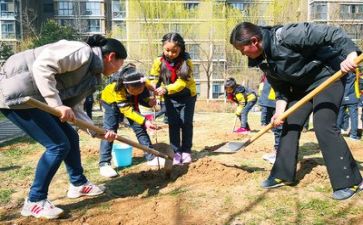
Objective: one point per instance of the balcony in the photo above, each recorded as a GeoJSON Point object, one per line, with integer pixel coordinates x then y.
{"type": "Point", "coordinates": [7, 15]}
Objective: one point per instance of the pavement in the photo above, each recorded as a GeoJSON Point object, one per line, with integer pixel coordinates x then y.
{"type": "Point", "coordinates": [9, 131]}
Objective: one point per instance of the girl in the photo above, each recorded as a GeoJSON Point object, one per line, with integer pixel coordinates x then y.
{"type": "Point", "coordinates": [174, 70]}
{"type": "Point", "coordinates": [245, 99]}
{"type": "Point", "coordinates": [122, 98]}
{"type": "Point", "coordinates": [61, 74]}
{"type": "Point", "coordinates": [296, 58]}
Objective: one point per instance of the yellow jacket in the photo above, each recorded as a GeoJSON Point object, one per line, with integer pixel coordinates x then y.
{"type": "Point", "coordinates": [179, 85]}
{"type": "Point", "coordinates": [127, 104]}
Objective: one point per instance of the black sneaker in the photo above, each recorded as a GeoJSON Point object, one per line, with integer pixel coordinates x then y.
{"type": "Point", "coordinates": [272, 182]}
{"type": "Point", "coordinates": [345, 193]}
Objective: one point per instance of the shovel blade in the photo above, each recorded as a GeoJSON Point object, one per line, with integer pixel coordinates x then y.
{"type": "Point", "coordinates": [230, 147]}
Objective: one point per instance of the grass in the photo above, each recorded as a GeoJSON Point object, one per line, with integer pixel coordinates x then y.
{"type": "Point", "coordinates": [5, 195]}
{"type": "Point", "coordinates": [2, 117]}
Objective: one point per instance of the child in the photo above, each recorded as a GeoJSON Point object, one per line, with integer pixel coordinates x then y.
{"type": "Point", "coordinates": [267, 101]}
{"type": "Point", "coordinates": [122, 98]}
{"type": "Point", "coordinates": [245, 98]}
{"type": "Point", "coordinates": [174, 71]}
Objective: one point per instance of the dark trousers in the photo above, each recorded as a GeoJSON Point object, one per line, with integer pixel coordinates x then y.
{"type": "Point", "coordinates": [162, 112]}
{"type": "Point", "coordinates": [342, 169]}
{"type": "Point", "coordinates": [61, 144]}
{"type": "Point", "coordinates": [180, 113]}
{"type": "Point", "coordinates": [111, 118]}
{"type": "Point", "coordinates": [269, 112]}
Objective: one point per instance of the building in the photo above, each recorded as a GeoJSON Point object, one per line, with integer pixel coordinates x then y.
{"type": "Point", "coordinates": [348, 14]}
{"type": "Point", "coordinates": [10, 18]}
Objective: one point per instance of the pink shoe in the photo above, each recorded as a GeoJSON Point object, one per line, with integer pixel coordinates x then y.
{"type": "Point", "coordinates": [242, 130]}
{"type": "Point", "coordinates": [186, 158]}
{"type": "Point", "coordinates": [177, 158]}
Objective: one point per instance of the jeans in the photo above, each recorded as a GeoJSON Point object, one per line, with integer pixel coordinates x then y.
{"type": "Point", "coordinates": [111, 118]}
{"type": "Point", "coordinates": [342, 169]}
{"type": "Point", "coordinates": [244, 114]}
{"type": "Point", "coordinates": [180, 113]}
{"type": "Point", "coordinates": [162, 112]}
{"type": "Point", "coordinates": [264, 119]}
{"type": "Point", "coordinates": [61, 143]}
{"type": "Point", "coordinates": [353, 114]}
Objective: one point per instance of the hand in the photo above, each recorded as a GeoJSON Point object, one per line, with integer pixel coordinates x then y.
{"type": "Point", "coordinates": [110, 135]}
{"type": "Point", "coordinates": [152, 102]}
{"type": "Point", "coordinates": [160, 91]}
{"type": "Point", "coordinates": [67, 113]}
{"type": "Point", "coordinates": [150, 125]}
{"type": "Point", "coordinates": [348, 64]}
{"type": "Point", "coordinates": [275, 121]}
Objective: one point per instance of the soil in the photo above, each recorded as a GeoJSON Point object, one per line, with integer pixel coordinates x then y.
{"type": "Point", "coordinates": [214, 189]}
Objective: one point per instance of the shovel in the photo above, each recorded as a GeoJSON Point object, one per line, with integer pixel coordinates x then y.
{"type": "Point", "coordinates": [84, 125]}
{"type": "Point", "coordinates": [232, 147]}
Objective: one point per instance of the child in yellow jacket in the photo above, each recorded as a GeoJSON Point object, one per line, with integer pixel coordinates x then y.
{"type": "Point", "coordinates": [173, 70]}
{"type": "Point", "coordinates": [121, 98]}
{"type": "Point", "coordinates": [245, 99]}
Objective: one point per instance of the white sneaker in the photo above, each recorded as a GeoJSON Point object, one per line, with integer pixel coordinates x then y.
{"type": "Point", "coordinates": [43, 208]}
{"type": "Point", "coordinates": [156, 161]}
{"type": "Point", "coordinates": [270, 157]}
{"type": "Point", "coordinates": [88, 189]}
{"type": "Point", "coordinates": [107, 171]}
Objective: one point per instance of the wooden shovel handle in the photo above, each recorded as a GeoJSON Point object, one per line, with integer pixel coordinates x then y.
{"type": "Point", "coordinates": [304, 100]}
{"type": "Point", "coordinates": [84, 125]}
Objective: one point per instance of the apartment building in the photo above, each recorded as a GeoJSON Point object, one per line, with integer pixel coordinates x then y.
{"type": "Point", "coordinates": [348, 14]}
{"type": "Point", "coordinates": [10, 18]}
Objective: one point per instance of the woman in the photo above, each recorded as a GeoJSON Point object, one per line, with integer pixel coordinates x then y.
{"type": "Point", "coordinates": [61, 74]}
{"type": "Point", "coordinates": [297, 58]}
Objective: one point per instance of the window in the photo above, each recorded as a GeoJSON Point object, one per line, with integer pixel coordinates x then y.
{"type": "Point", "coordinates": [191, 5]}
{"type": "Point", "coordinates": [118, 9]}
{"type": "Point", "coordinates": [196, 71]}
{"type": "Point", "coordinates": [90, 8]}
{"type": "Point", "coordinates": [7, 30]}
{"type": "Point", "coordinates": [7, 8]}
{"type": "Point", "coordinates": [193, 50]}
{"type": "Point", "coordinates": [319, 11]}
{"type": "Point", "coordinates": [354, 31]}
{"type": "Point", "coordinates": [218, 52]}
{"type": "Point", "coordinates": [349, 11]}
{"type": "Point", "coordinates": [93, 26]}
{"type": "Point", "coordinates": [197, 84]}
{"type": "Point", "coordinates": [65, 8]}
{"type": "Point", "coordinates": [66, 22]}
{"type": "Point", "coordinates": [217, 89]}
{"type": "Point", "coordinates": [218, 70]}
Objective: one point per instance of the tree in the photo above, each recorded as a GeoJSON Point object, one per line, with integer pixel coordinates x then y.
{"type": "Point", "coordinates": [51, 31]}
{"type": "Point", "coordinates": [5, 52]}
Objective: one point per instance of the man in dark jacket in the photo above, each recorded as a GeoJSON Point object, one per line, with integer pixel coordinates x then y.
{"type": "Point", "coordinates": [296, 58]}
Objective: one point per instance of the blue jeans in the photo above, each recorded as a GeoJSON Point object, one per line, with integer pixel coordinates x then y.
{"type": "Point", "coordinates": [180, 113]}
{"type": "Point", "coordinates": [353, 113]}
{"type": "Point", "coordinates": [111, 118]}
{"type": "Point", "coordinates": [264, 120]}
{"type": "Point", "coordinates": [61, 143]}
{"type": "Point", "coordinates": [244, 114]}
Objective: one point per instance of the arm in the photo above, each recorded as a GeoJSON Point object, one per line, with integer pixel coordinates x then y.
{"type": "Point", "coordinates": [58, 58]}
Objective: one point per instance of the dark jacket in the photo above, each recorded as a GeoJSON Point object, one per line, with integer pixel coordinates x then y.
{"type": "Point", "coordinates": [298, 57]}
{"type": "Point", "coordinates": [350, 96]}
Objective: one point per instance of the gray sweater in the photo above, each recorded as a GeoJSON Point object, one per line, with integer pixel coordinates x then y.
{"type": "Point", "coordinates": [61, 73]}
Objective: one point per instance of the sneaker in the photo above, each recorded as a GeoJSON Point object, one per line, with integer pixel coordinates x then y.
{"type": "Point", "coordinates": [354, 139]}
{"type": "Point", "coordinates": [344, 132]}
{"type": "Point", "coordinates": [270, 157]}
{"type": "Point", "coordinates": [41, 209]}
{"type": "Point", "coordinates": [88, 189]}
{"type": "Point", "coordinates": [186, 158]}
{"type": "Point", "coordinates": [156, 161]}
{"type": "Point", "coordinates": [177, 160]}
{"type": "Point", "coordinates": [242, 130]}
{"type": "Point", "coordinates": [361, 186]}
{"type": "Point", "coordinates": [272, 182]}
{"type": "Point", "coordinates": [107, 171]}
{"type": "Point", "coordinates": [345, 193]}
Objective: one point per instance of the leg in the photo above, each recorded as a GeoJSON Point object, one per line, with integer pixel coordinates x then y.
{"type": "Point", "coordinates": [110, 122]}
{"type": "Point", "coordinates": [52, 134]}
{"type": "Point", "coordinates": [174, 124]}
{"type": "Point", "coordinates": [286, 158]}
{"type": "Point", "coordinates": [142, 137]}
{"type": "Point", "coordinates": [187, 114]}
{"type": "Point", "coordinates": [244, 114]}
{"type": "Point", "coordinates": [353, 113]}
{"type": "Point", "coordinates": [342, 169]}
